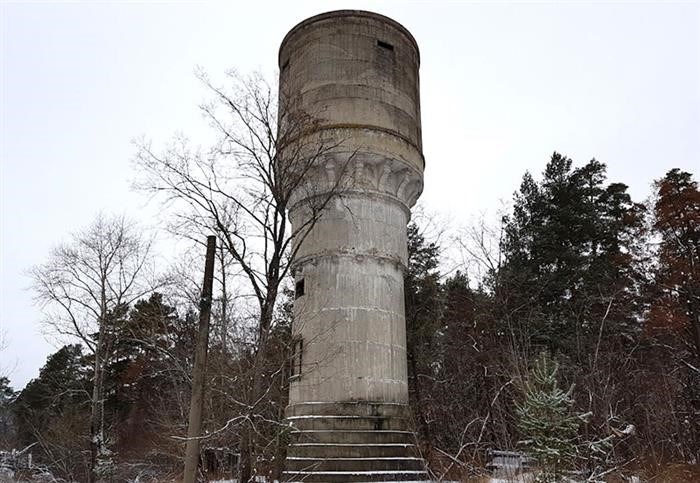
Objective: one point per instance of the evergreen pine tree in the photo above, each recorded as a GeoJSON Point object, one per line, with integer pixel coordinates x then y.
{"type": "Point", "coordinates": [7, 425]}
{"type": "Point", "coordinates": [547, 421]}
{"type": "Point", "coordinates": [422, 296]}
{"type": "Point", "coordinates": [568, 251]}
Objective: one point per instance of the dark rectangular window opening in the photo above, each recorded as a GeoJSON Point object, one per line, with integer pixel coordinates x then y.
{"type": "Point", "coordinates": [296, 359]}
{"type": "Point", "coordinates": [385, 45]}
{"type": "Point", "coordinates": [299, 289]}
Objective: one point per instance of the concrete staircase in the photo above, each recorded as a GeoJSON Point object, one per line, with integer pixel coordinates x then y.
{"type": "Point", "coordinates": [352, 442]}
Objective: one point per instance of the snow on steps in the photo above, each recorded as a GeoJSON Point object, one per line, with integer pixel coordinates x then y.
{"type": "Point", "coordinates": [353, 436]}
{"type": "Point", "coordinates": [352, 442]}
{"type": "Point", "coordinates": [353, 456]}
{"type": "Point", "coordinates": [356, 476]}
{"type": "Point", "coordinates": [296, 464]}
{"type": "Point", "coordinates": [352, 450]}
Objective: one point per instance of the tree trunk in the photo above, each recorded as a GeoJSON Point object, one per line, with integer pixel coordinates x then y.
{"type": "Point", "coordinates": [247, 446]}
{"type": "Point", "coordinates": [224, 302]}
{"type": "Point", "coordinates": [246, 469]}
{"type": "Point", "coordinates": [694, 316]}
{"type": "Point", "coordinates": [281, 451]}
{"type": "Point", "coordinates": [96, 414]}
{"type": "Point", "coordinates": [97, 400]}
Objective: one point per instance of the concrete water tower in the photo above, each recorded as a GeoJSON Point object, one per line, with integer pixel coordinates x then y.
{"type": "Point", "coordinates": [357, 73]}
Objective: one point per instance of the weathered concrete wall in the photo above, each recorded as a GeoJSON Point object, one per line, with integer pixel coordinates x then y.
{"type": "Point", "coordinates": [357, 72]}
{"type": "Point", "coordinates": [356, 69]}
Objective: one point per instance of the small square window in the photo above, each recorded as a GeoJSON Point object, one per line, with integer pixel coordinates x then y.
{"type": "Point", "coordinates": [385, 45]}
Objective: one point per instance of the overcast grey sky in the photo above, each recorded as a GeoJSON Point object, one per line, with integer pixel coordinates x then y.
{"type": "Point", "coordinates": [503, 84]}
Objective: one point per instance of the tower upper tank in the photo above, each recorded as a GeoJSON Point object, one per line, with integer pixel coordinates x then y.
{"type": "Point", "coordinates": [357, 73]}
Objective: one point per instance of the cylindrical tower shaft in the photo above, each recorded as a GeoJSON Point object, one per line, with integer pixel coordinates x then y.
{"type": "Point", "coordinates": [355, 75]}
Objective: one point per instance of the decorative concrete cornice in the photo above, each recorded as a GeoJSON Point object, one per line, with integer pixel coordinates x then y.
{"type": "Point", "coordinates": [364, 174]}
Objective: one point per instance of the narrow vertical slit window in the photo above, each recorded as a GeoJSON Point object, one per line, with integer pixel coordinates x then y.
{"type": "Point", "coordinates": [299, 288]}
{"type": "Point", "coordinates": [297, 358]}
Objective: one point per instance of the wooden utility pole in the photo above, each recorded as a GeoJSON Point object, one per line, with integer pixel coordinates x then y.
{"type": "Point", "coordinates": [200, 365]}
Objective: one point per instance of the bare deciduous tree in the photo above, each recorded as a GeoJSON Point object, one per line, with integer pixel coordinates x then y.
{"type": "Point", "coordinates": [241, 189]}
{"type": "Point", "coordinates": [86, 281]}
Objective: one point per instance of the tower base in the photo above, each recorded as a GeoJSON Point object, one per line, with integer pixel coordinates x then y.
{"type": "Point", "coordinates": [352, 442]}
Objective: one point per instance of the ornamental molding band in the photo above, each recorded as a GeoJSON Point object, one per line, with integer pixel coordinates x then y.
{"type": "Point", "coordinates": [360, 174]}
{"type": "Point", "coordinates": [353, 148]}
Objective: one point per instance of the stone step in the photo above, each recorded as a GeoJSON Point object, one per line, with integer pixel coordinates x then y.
{"type": "Point", "coordinates": [352, 436]}
{"type": "Point", "coordinates": [351, 450]}
{"type": "Point", "coordinates": [307, 422]}
{"type": "Point", "coordinates": [354, 476]}
{"type": "Point", "coordinates": [352, 442]}
{"type": "Point", "coordinates": [359, 408]}
{"type": "Point", "coordinates": [295, 464]}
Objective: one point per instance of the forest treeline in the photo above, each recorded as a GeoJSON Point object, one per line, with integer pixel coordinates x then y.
{"type": "Point", "coordinates": [604, 288]}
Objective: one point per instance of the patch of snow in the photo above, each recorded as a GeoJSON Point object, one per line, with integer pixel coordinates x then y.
{"type": "Point", "coordinates": [353, 459]}
{"type": "Point", "coordinates": [311, 416]}
{"type": "Point", "coordinates": [352, 402]}
{"type": "Point", "coordinates": [258, 479]}
{"type": "Point", "coordinates": [383, 431]}
{"type": "Point", "coordinates": [382, 472]}
{"type": "Point", "coordinates": [352, 444]}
